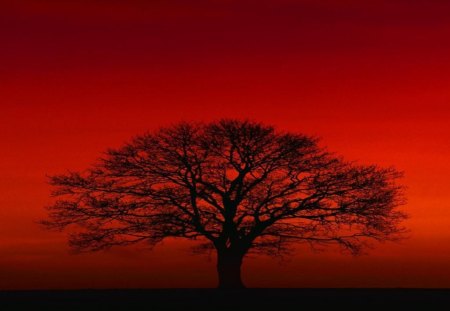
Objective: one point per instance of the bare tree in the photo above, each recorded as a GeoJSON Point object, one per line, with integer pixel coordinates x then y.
{"type": "Point", "coordinates": [237, 186]}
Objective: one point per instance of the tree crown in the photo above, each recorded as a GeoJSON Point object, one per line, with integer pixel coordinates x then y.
{"type": "Point", "coordinates": [237, 185]}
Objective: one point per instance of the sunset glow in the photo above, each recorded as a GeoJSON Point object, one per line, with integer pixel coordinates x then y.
{"type": "Point", "coordinates": [371, 78]}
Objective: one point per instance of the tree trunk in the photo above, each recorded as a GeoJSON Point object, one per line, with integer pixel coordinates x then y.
{"type": "Point", "coordinates": [229, 269]}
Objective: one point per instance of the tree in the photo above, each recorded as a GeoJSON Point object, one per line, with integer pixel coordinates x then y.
{"type": "Point", "coordinates": [236, 186]}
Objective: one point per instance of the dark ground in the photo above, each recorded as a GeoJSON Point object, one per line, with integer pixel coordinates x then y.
{"type": "Point", "coordinates": [212, 299]}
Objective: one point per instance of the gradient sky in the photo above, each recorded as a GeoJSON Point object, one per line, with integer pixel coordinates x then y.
{"type": "Point", "coordinates": [372, 78]}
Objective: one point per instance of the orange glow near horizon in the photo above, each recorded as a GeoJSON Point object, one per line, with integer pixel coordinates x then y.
{"type": "Point", "coordinates": [77, 77]}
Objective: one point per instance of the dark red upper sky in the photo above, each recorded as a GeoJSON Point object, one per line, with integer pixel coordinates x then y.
{"type": "Point", "coordinates": [372, 78]}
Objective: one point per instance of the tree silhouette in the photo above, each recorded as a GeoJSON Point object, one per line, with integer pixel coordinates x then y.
{"type": "Point", "coordinates": [236, 186]}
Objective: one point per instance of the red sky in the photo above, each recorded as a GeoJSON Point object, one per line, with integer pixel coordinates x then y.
{"type": "Point", "coordinates": [372, 78]}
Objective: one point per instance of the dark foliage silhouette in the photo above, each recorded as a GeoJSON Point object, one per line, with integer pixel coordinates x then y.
{"type": "Point", "coordinates": [236, 186]}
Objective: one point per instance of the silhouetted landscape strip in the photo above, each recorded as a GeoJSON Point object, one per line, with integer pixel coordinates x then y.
{"type": "Point", "coordinates": [225, 299]}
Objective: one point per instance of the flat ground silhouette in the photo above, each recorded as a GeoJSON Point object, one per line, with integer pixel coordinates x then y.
{"type": "Point", "coordinates": [213, 299]}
